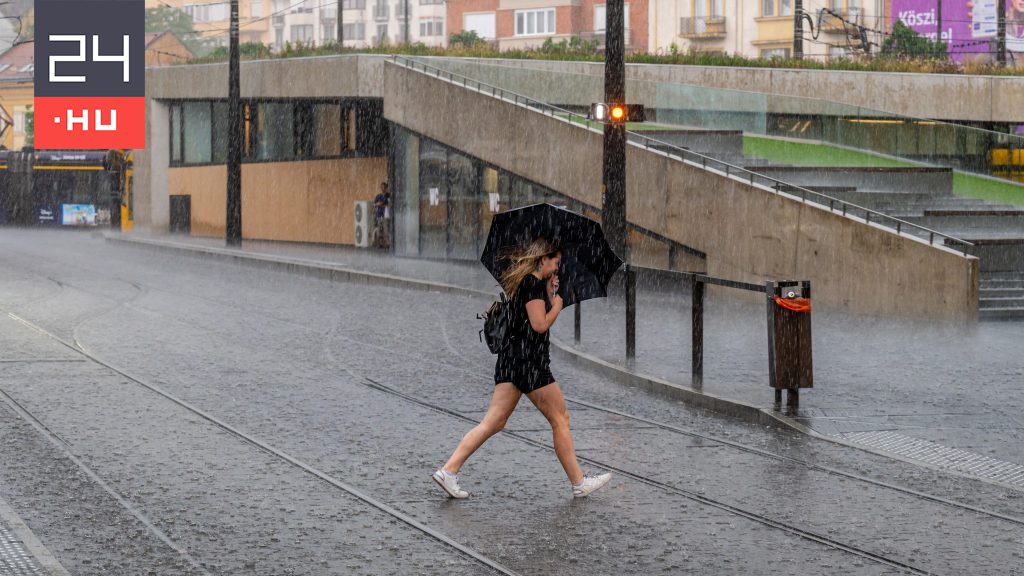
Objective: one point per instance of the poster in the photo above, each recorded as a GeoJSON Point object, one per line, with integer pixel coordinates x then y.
{"type": "Point", "coordinates": [968, 27]}
{"type": "Point", "coordinates": [78, 214]}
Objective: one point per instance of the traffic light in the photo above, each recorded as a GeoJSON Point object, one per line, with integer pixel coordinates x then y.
{"type": "Point", "coordinates": [617, 113]}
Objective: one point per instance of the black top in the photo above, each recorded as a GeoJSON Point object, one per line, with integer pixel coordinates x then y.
{"type": "Point", "coordinates": [524, 341]}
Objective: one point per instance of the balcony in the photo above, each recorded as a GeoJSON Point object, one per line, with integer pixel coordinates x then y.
{"type": "Point", "coordinates": [702, 27]}
{"type": "Point", "coordinates": [278, 20]}
{"type": "Point", "coordinates": [599, 37]}
{"type": "Point", "coordinates": [837, 21]}
{"type": "Point", "coordinates": [381, 11]}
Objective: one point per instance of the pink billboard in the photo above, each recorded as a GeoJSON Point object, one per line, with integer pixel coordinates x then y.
{"type": "Point", "coordinates": [968, 27]}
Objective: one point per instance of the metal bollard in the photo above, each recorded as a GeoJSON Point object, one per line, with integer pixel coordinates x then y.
{"type": "Point", "coordinates": [697, 335]}
{"type": "Point", "coordinates": [630, 314]}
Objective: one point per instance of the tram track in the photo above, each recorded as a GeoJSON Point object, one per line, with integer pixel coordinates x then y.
{"type": "Point", "coordinates": [689, 494]}
{"type": "Point", "coordinates": [408, 520]}
{"type": "Point", "coordinates": [241, 435]}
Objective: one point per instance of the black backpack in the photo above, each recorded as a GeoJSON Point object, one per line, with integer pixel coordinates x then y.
{"type": "Point", "coordinates": [496, 324]}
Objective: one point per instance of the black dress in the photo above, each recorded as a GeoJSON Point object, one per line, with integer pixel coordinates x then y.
{"type": "Point", "coordinates": [526, 362]}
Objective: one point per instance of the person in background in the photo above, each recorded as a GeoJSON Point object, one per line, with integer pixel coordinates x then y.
{"type": "Point", "coordinates": [382, 217]}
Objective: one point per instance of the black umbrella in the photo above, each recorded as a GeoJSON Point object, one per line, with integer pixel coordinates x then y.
{"type": "Point", "coordinates": [588, 262]}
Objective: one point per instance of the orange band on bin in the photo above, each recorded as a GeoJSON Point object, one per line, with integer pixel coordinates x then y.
{"type": "Point", "coordinates": [794, 304]}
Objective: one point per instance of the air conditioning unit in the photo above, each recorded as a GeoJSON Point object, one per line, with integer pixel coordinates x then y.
{"type": "Point", "coordinates": [362, 229]}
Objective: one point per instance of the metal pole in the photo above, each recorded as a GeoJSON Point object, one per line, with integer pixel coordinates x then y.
{"type": "Point", "coordinates": [798, 30]}
{"type": "Point", "coordinates": [613, 177]}
{"type": "Point", "coordinates": [1001, 34]}
{"type": "Point", "coordinates": [697, 335]}
{"type": "Point", "coordinates": [630, 315]}
{"type": "Point", "coordinates": [577, 323]}
{"type": "Point", "coordinates": [769, 289]}
{"type": "Point", "coordinates": [234, 209]}
{"type": "Point", "coordinates": [938, 21]}
{"type": "Point", "coordinates": [341, 20]}
{"type": "Point", "coordinates": [407, 19]}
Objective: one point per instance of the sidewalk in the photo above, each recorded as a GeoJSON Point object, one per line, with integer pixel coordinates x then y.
{"type": "Point", "coordinates": [21, 553]}
{"type": "Point", "coordinates": [936, 395]}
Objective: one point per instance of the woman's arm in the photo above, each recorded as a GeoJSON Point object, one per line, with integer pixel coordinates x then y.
{"type": "Point", "coordinates": [540, 321]}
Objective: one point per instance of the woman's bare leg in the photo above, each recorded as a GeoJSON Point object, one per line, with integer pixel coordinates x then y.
{"type": "Point", "coordinates": [503, 402]}
{"type": "Point", "coordinates": [551, 403]}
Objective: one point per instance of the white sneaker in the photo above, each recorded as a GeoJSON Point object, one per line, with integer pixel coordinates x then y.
{"type": "Point", "coordinates": [449, 483]}
{"type": "Point", "coordinates": [590, 483]}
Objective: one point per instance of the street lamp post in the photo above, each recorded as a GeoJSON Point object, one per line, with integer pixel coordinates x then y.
{"type": "Point", "coordinates": [233, 225]}
{"type": "Point", "coordinates": [613, 178]}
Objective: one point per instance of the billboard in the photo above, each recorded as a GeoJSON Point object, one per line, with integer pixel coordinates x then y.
{"type": "Point", "coordinates": [968, 28]}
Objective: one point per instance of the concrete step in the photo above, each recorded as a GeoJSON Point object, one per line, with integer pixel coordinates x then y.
{"type": "Point", "coordinates": [1001, 314]}
{"type": "Point", "coordinates": [1017, 292]}
{"type": "Point", "coordinates": [997, 254]}
{"type": "Point", "coordinates": [986, 303]}
{"type": "Point", "coordinates": [906, 180]}
{"type": "Point", "coordinates": [708, 142]}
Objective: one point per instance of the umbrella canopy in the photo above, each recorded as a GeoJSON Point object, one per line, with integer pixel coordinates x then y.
{"type": "Point", "coordinates": [588, 262]}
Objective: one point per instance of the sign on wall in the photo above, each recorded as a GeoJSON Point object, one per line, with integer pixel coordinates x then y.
{"type": "Point", "coordinates": [89, 74]}
{"type": "Point", "coordinates": [968, 28]}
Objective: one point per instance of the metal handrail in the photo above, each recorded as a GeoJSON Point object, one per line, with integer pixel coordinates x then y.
{"type": "Point", "coordinates": [835, 205]}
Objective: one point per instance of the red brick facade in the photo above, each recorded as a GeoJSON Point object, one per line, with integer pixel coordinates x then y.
{"type": "Point", "coordinates": [569, 20]}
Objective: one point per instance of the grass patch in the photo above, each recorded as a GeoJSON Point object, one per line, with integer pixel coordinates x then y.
{"type": "Point", "coordinates": [808, 154]}
{"type": "Point", "coordinates": [994, 191]}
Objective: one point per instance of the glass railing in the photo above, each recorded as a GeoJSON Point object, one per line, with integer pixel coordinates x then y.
{"type": "Point", "coordinates": [527, 93]}
{"type": "Point", "coordinates": [781, 129]}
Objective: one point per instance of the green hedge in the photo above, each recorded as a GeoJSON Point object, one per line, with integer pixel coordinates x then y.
{"type": "Point", "coordinates": [582, 51]}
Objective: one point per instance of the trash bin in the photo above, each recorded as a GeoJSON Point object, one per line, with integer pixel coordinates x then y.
{"type": "Point", "coordinates": [789, 338]}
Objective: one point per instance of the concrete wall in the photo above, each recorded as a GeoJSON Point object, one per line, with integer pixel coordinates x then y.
{"type": "Point", "coordinates": [747, 232]}
{"type": "Point", "coordinates": [291, 201]}
{"type": "Point", "coordinates": [936, 96]}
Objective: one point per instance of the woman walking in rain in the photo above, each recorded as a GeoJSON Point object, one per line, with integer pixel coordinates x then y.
{"type": "Point", "coordinates": [524, 368]}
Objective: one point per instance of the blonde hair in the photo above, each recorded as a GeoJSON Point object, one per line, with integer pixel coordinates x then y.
{"type": "Point", "coordinates": [524, 262]}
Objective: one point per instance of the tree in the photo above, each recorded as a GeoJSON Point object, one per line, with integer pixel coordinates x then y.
{"type": "Point", "coordinates": [466, 38]}
{"type": "Point", "coordinates": [905, 42]}
{"type": "Point", "coordinates": [168, 19]}
{"type": "Point", "coordinates": [30, 127]}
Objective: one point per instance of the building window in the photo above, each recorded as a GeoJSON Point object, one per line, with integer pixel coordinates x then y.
{"type": "Point", "coordinates": [198, 128]}
{"type": "Point", "coordinates": [535, 22]}
{"type": "Point", "coordinates": [381, 11]}
{"type": "Point", "coordinates": [432, 27]}
{"type": "Point", "coordinates": [482, 24]}
{"type": "Point", "coordinates": [785, 9]}
{"type": "Point", "coordinates": [382, 34]}
{"type": "Point", "coordinates": [328, 31]}
{"type": "Point", "coordinates": [775, 53]}
{"type": "Point", "coordinates": [400, 9]}
{"type": "Point", "coordinates": [767, 7]}
{"type": "Point", "coordinates": [708, 9]}
{"type": "Point", "coordinates": [19, 122]}
{"type": "Point", "coordinates": [302, 33]}
{"type": "Point", "coordinates": [279, 37]}
{"type": "Point", "coordinates": [426, 2]}
{"type": "Point", "coordinates": [256, 9]}
{"type": "Point", "coordinates": [208, 12]}
{"type": "Point", "coordinates": [601, 17]}
{"type": "Point", "coordinates": [355, 31]}
{"type": "Point", "coordinates": [353, 4]}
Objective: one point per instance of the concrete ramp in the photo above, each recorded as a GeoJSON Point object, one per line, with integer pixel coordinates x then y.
{"type": "Point", "coordinates": [749, 230]}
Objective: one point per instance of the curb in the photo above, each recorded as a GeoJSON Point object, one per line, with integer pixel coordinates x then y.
{"type": "Point", "coordinates": [47, 561]}
{"type": "Point", "coordinates": [700, 399]}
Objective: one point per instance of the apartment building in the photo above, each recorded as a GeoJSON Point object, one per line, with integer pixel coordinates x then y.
{"type": "Point", "coordinates": [314, 22]}
{"type": "Point", "coordinates": [764, 28]}
{"type": "Point", "coordinates": [528, 23]}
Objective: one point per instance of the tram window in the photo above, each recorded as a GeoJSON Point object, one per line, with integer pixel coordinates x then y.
{"type": "Point", "coordinates": [176, 133]}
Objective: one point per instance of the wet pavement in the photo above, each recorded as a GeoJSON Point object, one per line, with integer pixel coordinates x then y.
{"type": "Point", "coordinates": [167, 414]}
